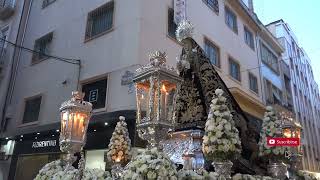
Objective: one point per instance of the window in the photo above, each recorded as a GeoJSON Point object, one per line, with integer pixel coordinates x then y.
{"type": "Point", "coordinates": [231, 20]}
{"type": "Point", "coordinates": [253, 82]}
{"type": "Point", "coordinates": [277, 95]}
{"type": "Point", "coordinates": [95, 93]}
{"type": "Point", "coordinates": [4, 37]}
{"type": "Point", "coordinates": [212, 4]}
{"type": "Point", "coordinates": [172, 26]}
{"type": "Point", "coordinates": [212, 52]}
{"type": "Point", "coordinates": [42, 47]}
{"type": "Point", "coordinates": [295, 90]}
{"type": "Point", "coordinates": [46, 3]}
{"type": "Point", "coordinates": [268, 88]}
{"type": "Point", "coordinates": [32, 109]}
{"type": "Point", "coordinates": [269, 58]}
{"type": "Point", "coordinates": [306, 81]}
{"type": "Point", "coordinates": [248, 38]}
{"type": "Point", "coordinates": [234, 69]}
{"type": "Point", "coordinates": [293, 48]}
{"type": "Point", "coordinates": [297, 70]}
{"type": "Point", "coordinates": [273, 94]}
{"type": "Point", "coordinates": [291, 63]}
{"type": "Point", "coordinates": [100, 20]}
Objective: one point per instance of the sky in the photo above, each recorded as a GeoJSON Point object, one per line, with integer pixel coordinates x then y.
{"type": "Point", "coordinates": [303, 18]}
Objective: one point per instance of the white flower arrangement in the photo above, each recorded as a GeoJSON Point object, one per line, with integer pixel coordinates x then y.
{"type": "Point", "coordinates": [119, 148]}
{"type": "Point", "coordinates": [49, 170]}
{"type": "Point", "coordinates": [251, 177]}
{"type": "Point", "coordinates": [221, 141]}
{"type": "Point", "coordinates": [308, 175]}
{"type": "Point", "coordinates": [189, 175]}
{"type": "Point", "coordinates": [96, 174]}
{"type": "Point", "coordinates": [150, 164]}
{"type": "Point", "coordinates": [55, 170]}
{"type": "Point", "coordinates": [271, 127]}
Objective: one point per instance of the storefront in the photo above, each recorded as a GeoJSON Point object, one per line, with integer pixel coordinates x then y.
{"type": "Point", "coordinates": [33, 150]}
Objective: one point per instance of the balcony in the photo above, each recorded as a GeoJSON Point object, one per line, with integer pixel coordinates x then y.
{"type": "Point", "coordinates": [7, 8]}
{"type": "Point", "coordinates": [285, 69]}
{"type": "Point", "coordinates": [290, 102]}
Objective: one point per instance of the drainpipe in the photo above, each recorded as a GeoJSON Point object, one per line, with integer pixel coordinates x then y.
{"type": "Point", "coordinates": [14, 67]}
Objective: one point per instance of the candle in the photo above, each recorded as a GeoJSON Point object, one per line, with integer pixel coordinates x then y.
{"type": "Point", "coordinates": [163, 100]}
{"type": "Point", "coordinates": [117, 159]}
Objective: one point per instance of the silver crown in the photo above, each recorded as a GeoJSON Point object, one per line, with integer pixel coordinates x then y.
{"type": "Point", "coordinates": [184, 30]}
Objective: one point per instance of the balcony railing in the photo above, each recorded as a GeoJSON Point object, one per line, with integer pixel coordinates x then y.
{"type": "Point", "coordinates": [6, 8]}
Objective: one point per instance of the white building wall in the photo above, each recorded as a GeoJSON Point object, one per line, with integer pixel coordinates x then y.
{"type": "Point", "coordinates": [109, 55]}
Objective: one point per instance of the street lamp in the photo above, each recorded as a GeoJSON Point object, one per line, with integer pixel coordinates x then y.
{"type": "Point", "coordinates": [156, 86]}
{"type": "Point", "coordinates": [75, 115]}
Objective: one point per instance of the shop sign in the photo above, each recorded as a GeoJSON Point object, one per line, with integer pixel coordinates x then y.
{"type": "Point", "coordinates": [41, 144]}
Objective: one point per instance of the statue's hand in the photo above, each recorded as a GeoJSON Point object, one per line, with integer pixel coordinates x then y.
{"type": "Point", "coordinates": [182, 64]}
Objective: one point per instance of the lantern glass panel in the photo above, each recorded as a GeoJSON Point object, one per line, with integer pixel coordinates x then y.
{"type": "Point", "coordinates": [143, 100]}
{"type": "Point", "coordinates": [287, 132]}
{"type": "Point", "coordinates": [64, 118]}
{"type": "Point", "coordinates": [78, 126]}
{"type": "Point", "coordinates": [167, 93]}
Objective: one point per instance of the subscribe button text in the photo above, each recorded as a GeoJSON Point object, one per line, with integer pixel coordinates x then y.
{"type": "Point", "coordinates": [271, 141]}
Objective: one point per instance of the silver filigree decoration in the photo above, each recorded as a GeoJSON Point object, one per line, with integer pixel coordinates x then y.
{"type": "Point", "coordinates": [185, 142]}
{"type": "Point", "coordinates": [184, 30]}
{"type": "Point", "coordinates": [157, 60]}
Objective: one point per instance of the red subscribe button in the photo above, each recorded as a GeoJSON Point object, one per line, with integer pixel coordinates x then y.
{"type": "Point", "coordinates": [283, 141]}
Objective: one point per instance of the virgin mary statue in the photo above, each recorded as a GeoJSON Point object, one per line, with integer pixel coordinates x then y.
{"type": "Point", "coordinates": [200, 80]}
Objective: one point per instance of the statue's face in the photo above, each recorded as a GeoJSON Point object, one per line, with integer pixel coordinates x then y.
{"type": "Point", "coordinates": [187, 44]}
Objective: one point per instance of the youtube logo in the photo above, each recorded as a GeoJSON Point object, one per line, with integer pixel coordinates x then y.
{"type": "Point", "coordinates": [271, 141]}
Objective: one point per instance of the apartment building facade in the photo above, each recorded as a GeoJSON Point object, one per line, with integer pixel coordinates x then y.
{"type": "Point", "coordinates": [305, 92]}
{"type": "Point", "coordinates": [112, 39]}
{"type": "Point", "coordinates": [10, 16]}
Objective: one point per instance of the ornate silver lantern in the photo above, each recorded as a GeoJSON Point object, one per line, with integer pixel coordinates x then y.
{"type": "Point", "coordinates": [75, 115]}
{"type": "Point", "coordinates": [291, 129]}
{"type": "Point", "coordinates": [156, 86]}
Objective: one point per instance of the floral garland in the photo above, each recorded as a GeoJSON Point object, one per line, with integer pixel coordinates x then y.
{"type": "Point", "coordinates": [150, 164]}
{"type": "Point", "coordinates": [271, 127]}
{"type": "Point", "coordinates": [192, 175]}
{"type": "Point", "coordinates": [251, 177]}
{"type": "Point", "coordinates": [49, 170]}
{"type": "Point", "coordinates": [221, 141]}
{"type": "Point", "coordinates": [189, 175]}
{"type": "Point", "coordinates": [308, 175]}
{"type": "Point", "coordinates": [55, 170]}
{"type": "Point", "coordinates": [119, 149]}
